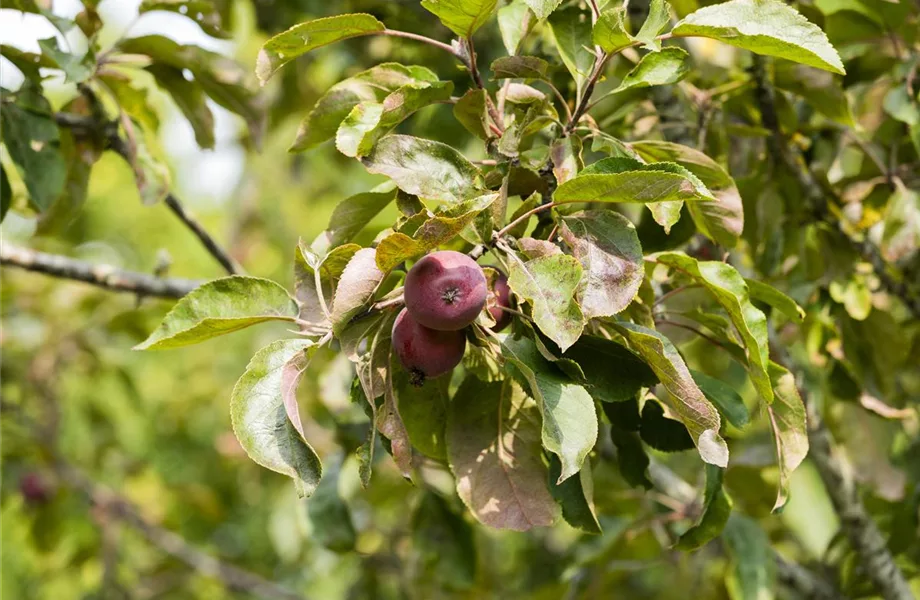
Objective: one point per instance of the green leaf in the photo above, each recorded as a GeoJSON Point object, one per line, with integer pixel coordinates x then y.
{"type": "Point", "coordinates": [717, 507]}
{"type": "Point", "coordinates": [720, 219]}
{"type": "Point", "coordinates": [549, 283]}
{"type": "Point", "coordinates": [659, 17]}
{"type": "Point", "coordinates": [576, 497]}
{"type": "Point", "coordinates": [753, 569]}
{"type": "Point", "coordinates": [608, 248]}
{"type": "Point", "coordinates": [632, 460]}
{"type": "Point", "coordinates": [823, 91]}
{"type": "Point", "coordinates": [373, 85]}
{"type": "Point", "coordinates": [203, 12]}
{"type": "Point", "coordinates": [424, 168]}
{"type": "Point", "coordinates": [221, 306]}
{"type": "Point", "coordinates": [329, 514]}
{"type": "Point", "coordinates": [787, 418]}
{"type": "Point", "coordinates": [901, 234]}
{"type": "Point", "coordinates": [463, 17]}
{"type": "Point", "coordinates": [32, 139]}
{"type": "Point", "coordinates": [190, 99]}
{"type": "Point", "coordinates": [662, 433]}
{"type": "Point", "coordinates": [543, 8]}
{"type": "Point", "coordinates": [612, 373]}
{"type": "Point", "coordinates": [657, 68]}
{"type": "Point", "coordinates": [356, 287]}
{"type": "Point", "coordinates": [6, 193]}
{"type": "Point", "coordinates": [330, 268]}
{"type": "Point", "coordinates": [519, 67]}
{"type": "Point", "coordinates": [666, 214]}
{"type": "Point", "coordinates": [261, 422]}
{"type": "Point", "coordinates": [726, 399]}
{"type": "Point", "coordinates": [691, 406]}
{"type": "Point", "coordinates": [354, 213]}
{"type": "Point", "coordinates": [773, 297]}
{"type": "Point", "coordinates": [398, 247]}
{"type": "Point", "coordinates": [627, 180]}
{"type": "Point", "coordinates": [565, 154]}
{"type": "Point", "coordinates": [766, 27]}
{"type": "Point", "coordinates": [424, 412]}
{"type": "Point", "coordinates": [151, 175]}
{"type": "Point", "coordinates": [730, 290]}
{"type": "Point", "coordinates": [77, 69]}
{"type": "Point", "coordinates": [369, 121]}
{"type": "Point", "coordinates": [443, 545]}
{"type": "Point", "coordinates": [389, 423]}
{"type": "Point", "coordinates": [571, 29]}
{"type": "Point", "coordinates": [569, 418]}
{"type": "Point", "coordinates": [514, 21]}
{"type": "Point", "coordinates": [29, 63]}
{"type": "Point", "coordinates": [495, 455]}
{"type": "Point", "coordinates": [611, 30]}
{"type": "Point", "coordinates": [307, 36]}
{"type": "Point", "coordinates": [472, 113]}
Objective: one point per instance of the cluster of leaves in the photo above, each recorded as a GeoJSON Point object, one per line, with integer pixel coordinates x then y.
{"type": "Point", "coordinates": [586, 334]}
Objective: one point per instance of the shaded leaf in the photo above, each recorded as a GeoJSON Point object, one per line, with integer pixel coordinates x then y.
{"type": "Point", "coordinates": [606, 245]}
{"type": "Point", "coordinates": [612, 373]}
{"type": "Point", "coordinates": [576, 497]}
{"type": "Point", "coordinates": [717, 507]}
{"type": "Point", "coordinates": [307, 36]}
{"type": "Point", "coordinates": [356, 287]}
{"type": "Point", "coordinates": [190, 99]}
{"type": "Point", "coordinates": [726, 399]}
{"type": "Point", "coordinates": [565, 154]}
{"type": "Point", "coordinates": [632, 460]}
{"type": "Point", "coordinates": [790, 433]}
{"type": "Point", "coordinates": [329, 514]}
{"type": "Point", "coordinates": [549, 283]}
{"type": "Point", "coordinates": [496, 458]}
{"type": "Point", "coordinates": [424, 412]}
{"type": "Point", "coordinates": [77, 69]}
{"type": "Point", "coordinates": [442, 543]}
{"type": "Point", "coordinates": [260, 420]}
{"type": "Point", "coordinates": [753, 569]}
{"type": "Point", "coordinates": [571, 29]}
{"type": "Point", "coordinates": [6, 193]}
{"type": "Point", "coordinates": [425, 168]}
{"type": "Point", "coordinates": [691, 406]}
{"type": "Point", "coordinates": [352, 214]}
{"type": "Point", "coordinates": [569, 418]}
{"type": "Point", "coordinates": [470, 110]}
{"type": "Point", "coordinates": [662, 433]}
{"type": "Point", "coordinates": [771, 296]}
{"type": "Point", "coordinates": [389, 423]}
{"type": "Point", "coordinates": [768, 27]}
{"type": "Point", "coordinates": [822, 90]}
{"type": "Point", "coordinates": [519, 67]}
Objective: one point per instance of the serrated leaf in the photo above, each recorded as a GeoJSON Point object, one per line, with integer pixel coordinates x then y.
{"type": "Point", "coordinates": [575, 496]}
{"type": "Point", "coordinates": [329, 514]}
{"type": "Point", "coordinates": [543, 8]}
{"type": "Point", "coordinates": [470, 110]}
{"type": "Point", "coordinates": [691, 406]}
{"type": "Point", "coordinates": [306, 280]}
{"type": "Point", "coordinates": [368, 122]}
{"type": "Point", "coordinates": [611, 30]}
{"type": "Point", "coordinates": [514, 21]}
{"type": "Point", "coordinates": [32, 139]}
{"type": "Point", "coordinates": [606, 245]}
{"type": "Point", "coordinates": [221, 306]}
{"type": "Point", "coordinates": [766, 27]}
{"type": "Point", "coordinates": [790, 432]}
{"type": "Point", "coordinates": [261, 422]}
{"type": "Point", "coordinates": [627, 180]}
{"type": "Point", "coordinates": [496, 458]}
{"type": "Point", "coordinates": [398, 247]}
{"type": "Point", "coordinates": [657, 68]}
{"type": "Point", "coordinates": [424, 168]}
{"type": "Point", "coordinates": [202, 12]}
{"type": "Point", "coordinates": [569, 418]}
{"type": "Point", "coordinates": [354, 213]}
{"type": "Point", "coordinates": [730, 290]}
{"type": "Point", "coordinates": [519, 67]}
{"type": "Point", "coordinates": [307, 36]}
{"type": "Point", "coordinates": [549, 283]}
{"type": "Point", "coordinates": [717, 507]}
{"type": "Point", "coordinates": [356, 288]}
{"type": "Point", "coordinates": [190, 99]}
{"type": "Point", "coordinates": [659, 17]}
{"type": "Point", "coordinates": [571, 29]}
{"type": "Point", "coordinates": [773, 297]}
{"type": "Point", "coordinates": [372, 85]}
{"type": "Point", "coordinates": [463, 17]}
{"type": "Point", "coordinates": [726, 399]}
{"type": "Point", "coordinates": [662, 433]}
{"type": "Point", "coordinates": [721, 219]}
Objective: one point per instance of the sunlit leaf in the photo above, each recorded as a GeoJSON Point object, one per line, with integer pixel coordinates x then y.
{"type": "Point", "coordinates": [725, 397]}
{"type": "Point", "coordinates": [356, 287]}
{"type": "Point", "coordinates": [575, 496]}
{"type": "Point", "coordinates": [657, 68]}
{"type": "Point", "coordinates": [203, 12]}
{"type": "Point", "coordinates": [514, 21]}
{"type": "Point", "coordinates": [787, 418]}
{"type": "Point", "coordinates": [717, 507]}
{"type": "Point", "coordinates": [549, 284]}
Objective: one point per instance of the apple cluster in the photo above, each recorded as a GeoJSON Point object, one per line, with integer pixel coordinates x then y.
{"type": "Point", "coordinates": [444, 293]}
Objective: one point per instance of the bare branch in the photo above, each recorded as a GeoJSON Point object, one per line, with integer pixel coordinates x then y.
{"type": "Point", "coordinates": [104, 276]}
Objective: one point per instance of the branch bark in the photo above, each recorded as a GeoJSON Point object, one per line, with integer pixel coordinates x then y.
{"type": "Point", "coordinates": [789, 156]}
{"type": "Point", "coordinates": [104, 276]}
{"type": "Point", "coordinates": [120, 146]}
{"type": "Point", "coordinates": [118, 507]}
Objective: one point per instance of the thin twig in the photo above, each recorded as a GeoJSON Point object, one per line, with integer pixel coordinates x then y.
{"type": "Point", "coordinates": [104, 276]}
{"type": "Point", "coordinates": [705, 336]}
{"type": "Point", "coordinates": [477, 80]}
{"type": "Point", "coordinates": [504, 230]}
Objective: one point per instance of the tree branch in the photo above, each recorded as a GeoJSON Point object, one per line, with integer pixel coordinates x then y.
{"type": "Point", "coordinates": [116, 506]}
{"type": "Point", "coordinates": [104, 276]}
{"type": "Point", "coordinates": [789, 156]}
{"type": "Point", "coordinates": [477, 80]}
{"type": "Point", "coordinates": [118, 144]}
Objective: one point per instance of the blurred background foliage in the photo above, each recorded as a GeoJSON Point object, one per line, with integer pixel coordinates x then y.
{"type": "Point", "coordinates": [155, 426]}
